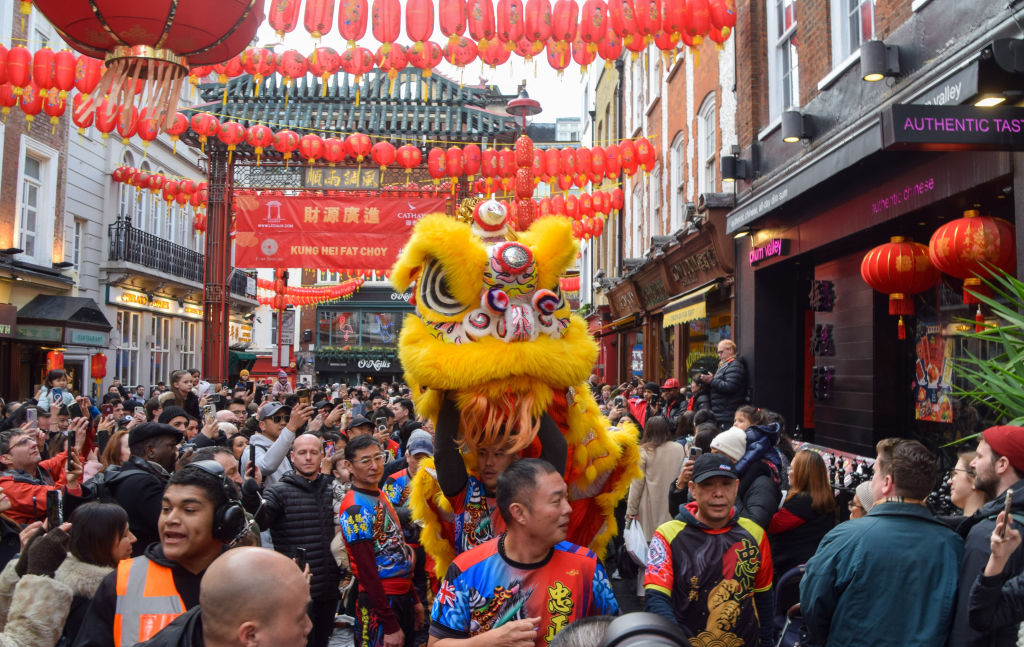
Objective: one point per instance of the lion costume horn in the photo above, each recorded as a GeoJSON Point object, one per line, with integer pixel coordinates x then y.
{"type": "Point", "coordinates": [493, 330]}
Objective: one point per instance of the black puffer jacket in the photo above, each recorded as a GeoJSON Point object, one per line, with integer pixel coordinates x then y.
{"type": "Point", "coordinates": [299, 514]}
{"type": "Point", "coordinates": [138, 487]}
{"type": "Point", "coordinates": [728, 391]}
{"type": "Point", "coordinates": [759, 494]}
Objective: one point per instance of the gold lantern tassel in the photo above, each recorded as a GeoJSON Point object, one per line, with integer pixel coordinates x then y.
{"type": "Point", "coordinates": [901, 329]}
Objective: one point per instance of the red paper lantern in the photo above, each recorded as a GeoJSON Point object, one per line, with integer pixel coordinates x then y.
{"type": "Point", "coordinates": [612, 161]}
{"type": "Point", "coordinates": [648, 18]}
{"type": "Point", "coordinates": [155, 182]}
{"type": "Point", "coordinates": [352, 17]}
{"type": "Point", "coordinates": [259, 137]}
{"type": "Point", "coordinates": [719, 35]}
{"type": "Point", "coordinates": [525, 213]}
{"type": "Point", "coordinates": [567, 161]}
{"type": "Point", "coordinates": [334, 150]}
{"type": "Point", "coordinates": [3, 65]}
{"type": "Point", "coordinates": [291, 65]}
{"type": "Point", "coordinates": [471, 160]}
{"type": "Point", "coordinates": [699, 22]}
{"type": "Point", "coordinates": [453, 161]}
{"type": "Point", "coordinates": [258, 62]}
{"type": "Point", "coordinates": [622, 18]}
{"type": "Point", "coordinates": [537, 165]}
{"type": "Point", "coordinates": [564, 17]}
{"type": "Point", "coordinates": [203, 124]}
{"type": "Point", "coordinates": [437, 164]}
{"type": "Point", "coordinates": [596, 227]}
{"type": "Point", "coordinates": [494, 54]}
{"type": "Point", "coordinates": [506, 162]}
{"type": "Point", "coordinates": [572, 207]}
{"type": "Point", "coordinates": [42, 68]}
{"type": "Point", "coordinates": [524, 152]}
{"type": "Point", "coordinates": [19, 68]}
{"type": "Point", "coordinates": [480, 21]}
{"type": "Point", "coordinates": [283, 16]}
{"type": "Point", "coordinates": [31, 102]}
{"type": "Point", "coordinates": [285, 142]}
{"type": "Point", "coordinates": [537, 25]}
{"type": "Point", "coordinates": [54, 106]}
{"type": "Point", "coordinates": [229, 69]}
{"type": "Point", "coordinates": [559, 54]}
{"type": "Point", "coordinates": [900, 268]}
{"type": "Point", "coordinates": [82, 118]}
{"type": "Point", "coordinates": [618, 198]}
{"type": "Point", "coordinates": [319, 17]}
{"type": "Point", "coordinates": [524, 183]}
{"type": "Point", "coordinates": [461, 53]}
{"type": "Point", "coordinates": [593, 22]}
{"type": "Point", "coordinates": [452, 19]}
{"type": "Point", "coordinates": [527, 49]}
{"type": "Point", "coordinates": [510, 22]}
{"type": "Point", "coordinates": [645, 154]}
{"type": "Point", "coordinates": [968, 247]}
{"type": "Point", "coordinates": [583, 53]}
{"type": "Point", "coordinates": [88, 71]}
{"type": "Point", "coordinates": [627, 152]}
{"type": "Point", "coordinates": [324, 62]}
{"type": "Point", "coordinates": [392, 62]}
{"type": "Point", "coordinates": [64, 72]}
{"type": "Point", "coordinates": [674, 17]}
{"type": "Point", "coordinates": [409, 156]}
{"type": "Point", "coordinates": [54, 360]}
{"type": "Point", "coordinates": [426, 58]}
{"type": "Point", "coordinates": [386, 22]}
{"type": "Point", "coordinates": [601, 202]}
{"type": "Point", "coordinates": [148, 128]}
{"type": "Point", "coordinates": [98, 366]}
{"type": "Point", "coordinates": [358, 146]}
{"type": "Point", "coordinates": [383, 154]}
{"type": "Point", "coordinates": [419, 20]}
{"type": "Point", "coordinates": [311, 147]}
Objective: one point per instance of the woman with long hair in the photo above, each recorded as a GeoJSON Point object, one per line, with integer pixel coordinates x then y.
{"type": "Point", "coordinates": [807, 514]}
{"type": "Point", "coordinates": [660, 461]}
{"type": "Point", "coordinates": [100, 538]}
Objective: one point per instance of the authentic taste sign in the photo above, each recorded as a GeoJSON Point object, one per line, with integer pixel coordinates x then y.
{"type": "Point", "coordinates": [925, 127]}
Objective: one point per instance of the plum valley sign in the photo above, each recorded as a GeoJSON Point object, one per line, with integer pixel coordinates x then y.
{"type": "Point", "coordinates": [938, 128]}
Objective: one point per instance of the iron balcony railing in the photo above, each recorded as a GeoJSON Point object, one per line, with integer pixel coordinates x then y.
{"type": "Point", "coordinates": [132, 245]}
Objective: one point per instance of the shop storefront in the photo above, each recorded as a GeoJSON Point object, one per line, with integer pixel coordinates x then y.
{"type": "Point", "coordinates": [357, 339]}
{"type": "Point", "coordinates": [670, 314]}
{"type": "Point", "coordinates": [153, 336]}
{"type": "Point", "coordinates": [820, 344]}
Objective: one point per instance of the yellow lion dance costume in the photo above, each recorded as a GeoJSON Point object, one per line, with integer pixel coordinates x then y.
{"type": "Point", "coordinates": [493, 330]}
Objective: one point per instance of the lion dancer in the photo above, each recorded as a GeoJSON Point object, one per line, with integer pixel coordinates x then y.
{"type": "Point", "coordinates": [474, 516]}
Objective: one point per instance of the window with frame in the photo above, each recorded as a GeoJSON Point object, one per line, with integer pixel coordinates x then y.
{"type": "Point", "coordinates": [189, 345]}
{"type": "Point", "coordinates": [853, 22]}
{"type": "Point", "coordinates": [783, 61]}
{"type": "Point", "coordinates": [129, 329]}
{"type": "Point", "coordinates": [677, 166]}
{"type": "Point", "coordinates": [654, 74]}
{"type": "Point", "coordinates": [636, 247]}
{"type": "Point", "coordinates": [40, 32]}
{"type": "Point", "coordinates": [639, 95]}
{"type": "Point", "coordinates": [654, 192]}
{"type": "Point", "coordinates": [77, 241]}
{"type": "Point", "coordinates": [31, 205]}
{"type": "Point", "coordinates": [706, 138]}
{"type": "Point", "coordinates": [160, 336]}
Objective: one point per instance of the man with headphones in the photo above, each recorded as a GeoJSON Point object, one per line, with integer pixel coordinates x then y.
{"type": "Point", "coordinates": [298, 512]}
{"type": "Point", "coordinates": [199, 519]}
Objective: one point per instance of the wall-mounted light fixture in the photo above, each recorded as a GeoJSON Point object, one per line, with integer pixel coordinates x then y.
{"type": "Point", "coordinates": [743, 231]}
{"type": "Point", "coordinates": [734, 168]}
{"type": "Point", "coordinates": [878, 60]}
{"type": "Point", "coordinates": [795, 127]}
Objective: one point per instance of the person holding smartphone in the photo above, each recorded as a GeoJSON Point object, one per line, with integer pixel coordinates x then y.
{"type": "Point", "coordinates": [26, 478]}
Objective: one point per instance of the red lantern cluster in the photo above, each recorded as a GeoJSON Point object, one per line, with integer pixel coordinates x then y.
{"type": "Point", "coordinates": [283, 295]}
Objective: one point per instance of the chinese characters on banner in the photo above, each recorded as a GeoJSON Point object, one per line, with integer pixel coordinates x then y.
{"type": "Point", "coordinates": [933, 368]}
{"type": "Point", "coordinates": [342, 179]}
{"type": "Point", "coordinates": [332, 233]}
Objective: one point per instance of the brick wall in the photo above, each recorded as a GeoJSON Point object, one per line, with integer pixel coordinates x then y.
{"type": "Point", "coordinates": [814, 46]}
{"type": "Point", "coordinates": [889, 15]}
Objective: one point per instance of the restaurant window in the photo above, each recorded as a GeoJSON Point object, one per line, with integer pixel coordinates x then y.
{"type": "Point", "coordinates": [853, 22]}
{"type": "Point", "coordinates": [160, 347]}
{"type": "Point", "coordinates": [189, 345]}
{"type": "Point", "coordinates": [129, 330]}
{"type": "Point", "coordinates": [380, 328]}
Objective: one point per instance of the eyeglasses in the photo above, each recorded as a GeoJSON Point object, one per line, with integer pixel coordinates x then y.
{"type": "Point", "coordinates": [968, 472]}
{"type": "Point", "coordinates": [365, 461]}
{"type": "Point", "coordinates": [278, 419]}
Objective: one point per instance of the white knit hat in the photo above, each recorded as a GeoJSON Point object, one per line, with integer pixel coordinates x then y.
{"type": "Point", "coordinates": [732, 442]}
{"type": "Point", "coordinates": [865, 495]}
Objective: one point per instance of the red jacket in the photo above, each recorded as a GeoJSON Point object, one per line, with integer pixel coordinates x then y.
{"type": "Point", "coordinates": [27, 492]}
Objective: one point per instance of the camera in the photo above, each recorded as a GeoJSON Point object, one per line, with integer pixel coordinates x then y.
{"type": "Point", "coordinates": [619, 401]}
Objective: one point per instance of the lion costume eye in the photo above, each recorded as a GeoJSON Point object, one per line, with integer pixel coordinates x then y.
{"type": "Point", "coordinates": [434, 293]}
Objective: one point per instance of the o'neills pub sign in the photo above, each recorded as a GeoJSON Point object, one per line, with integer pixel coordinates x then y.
{"type": "Point", "coordinates": [946, 128]}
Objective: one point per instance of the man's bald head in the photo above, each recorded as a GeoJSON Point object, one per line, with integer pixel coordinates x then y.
{"type": "Point", "coordinates": [249, 592]}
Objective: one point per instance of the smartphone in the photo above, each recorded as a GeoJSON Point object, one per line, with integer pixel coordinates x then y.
{"type": "Point", "coordinates": [140, 411]}
{"type": "Point", "coordinates": [252, 458]}
{"type": "Point", "coordinates": [329, 448]}
{"type": "Point", "coordinates": [57, 395]}
{"type": "Point", "coordinates": [705, 371]}
{"type": "Point", "coordinates": [54, 516]}
{"type": "Point", "coordinates": [695, 453]}
{"type": "Point", "coordinates": [102, 438]}
{"type": "Point", "coordinates": [337, 401]}
{"type": "Point", "coordinates": [209, 411]}
{"type": "Point", "coordinates": [619, 401]}
{"type": "Point", "coordinates": [32, 418]}
{"type": "Point", "coordinates": [302, 395]}
{"type": "Point", "coordinates": [382, 424]}
{"type": "Point", "coordinates": [216, 398]}
{"type": "Point", "coordinates": [69, 438]}
{"type": "Point", "coordinates": [300, 558]}
{"type": "Point", "coordinates": [75, 411]}
{"type": "Point", "coordinates": [107, 409]}
{"type": "Point", "coordinates": [1006, 511]}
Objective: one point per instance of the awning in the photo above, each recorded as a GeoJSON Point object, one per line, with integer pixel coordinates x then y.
{"type": "Point", "coordinates": [621, 322]}
{"type": "Point", "coordinates": [239, 361]}
{"type": "Point", "coordinates": [689, 307]}
{"type": "Point", "coordinates": [64, 310]}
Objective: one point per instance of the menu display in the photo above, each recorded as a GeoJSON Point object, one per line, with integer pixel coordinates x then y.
{"type": "Point", "coordinates": [933, 374]}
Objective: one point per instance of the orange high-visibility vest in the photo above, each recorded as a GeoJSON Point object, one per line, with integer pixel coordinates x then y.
{"type": "Point", "coordinates": [147, 601]}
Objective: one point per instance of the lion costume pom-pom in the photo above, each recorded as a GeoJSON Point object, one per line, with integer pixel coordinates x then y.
{"type": "Point", "coordinates": [493, 330]}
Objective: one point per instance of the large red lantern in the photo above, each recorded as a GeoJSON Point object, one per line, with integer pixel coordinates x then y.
{"type": "Point", "coordinates": [527, 49]}
{"type": "Point", "coordinates": [19, 68]}
{"type": "Point", "coordinates": [494, 54]}
{"type": "Point", "coordinates": [42, 68]}
{"type": "Point", "coordinates": [54, 360]}
{"type": "Point", "coordinates": [612, 161]}
{"type": "Point", "coordinates": [900, 268]}
{"type": "Point", "coordinates": [203, 124]}
{"type": "Point", "coordinates": [437, 164]}
{"type": "Point", "coordinates": [583, 53]}
{"type": "Point", "coordinates": [148, 129]}
{"type": "Point", "coordinates": [152, 42]}
{"type": "Point", "coordinates": [358, 146]}
{"type": "Point", "coordinates": [291, 65]}
{"type": "Point", "coordinates": [283, 16]}
{"type": "Point", "coordinates": [471, 160]}
{"type": "Point", "coordinates": [81, 118]}
{"type": "Point", "coordinates": [453, 161]}
{"type": "Point", "coordinates": [510, 22]}
{"type": "Point", "coordinates": [645, 154]}
{"type": "Point", "coordinates": [627, 151]}
{"type": "Point", "coordinates": [259, 137]}
{"type": "Point", "coordinates": [260, 62]}
{"type": "Point", "coordinates": [452, 19]}
{"type": "Point", "coordinates": [64, 63]}
{"type": "Point", "coordinates": [31, 102]}
{"type": "Point", "coordinates": [524, 152]}
{"type": "Point", "coordinates": [648, 18]}
{"type": "Point", "coordinates": [699, 22]}
{"type": "Point", "coordinates": [622, 18]}
{"type": "Point", "coordinates": [970, 247]}
{"type": "Point", "coordinates": [392, 62]}
{"type": "Point", "coordinates": [311, 147]}
{"type": "Point", "coordinates": [593, 22]}
{"type": "Point", "coordinates": [98, 366]}
{"type": "Point", "coordinates": [559, 54]}
{"type": "Point", "coordinates": [383, 154]}
{"type": "Point", "coordinates": [426, 58]}
{"type": "Point", "coordinates": [409, 157]}
{"type": "Point", "coordinates": [54, 106]}
{"type": "Point", "coordinates": [324, 62]}
{"type": "Point", "coordinates": [537, 22]}
{"type": "Point", "coordinates": [232, 134]}
{"type": "Point", "coordinates": [285, 142]}
{"type": "Point", "coordinates": [564, 16]}
{"type": "Point", "coordinates": [419, 21]}
{"type": "Point", "coordinates": [334, 150]}
{"type": "Point", "coordinates": [88, 71]}
{"type": "Point", "coordinates": [319, 17]}
{"type": "Point", "coordinates": [352, 17]}
{"type": "Point", "coordinates": [386, 22]}
{"type": "Point", "coordinates": [617, 198]}
{"type": "Point", "coordinates": [480, 21]}
{"type": "Point", "coordinates": [357, 61]}
{"type": "Point", "coordinates": [461, 53]}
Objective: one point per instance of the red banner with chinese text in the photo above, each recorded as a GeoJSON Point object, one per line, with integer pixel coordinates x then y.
{"type": "Point", "coordinates": [320, 232]}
